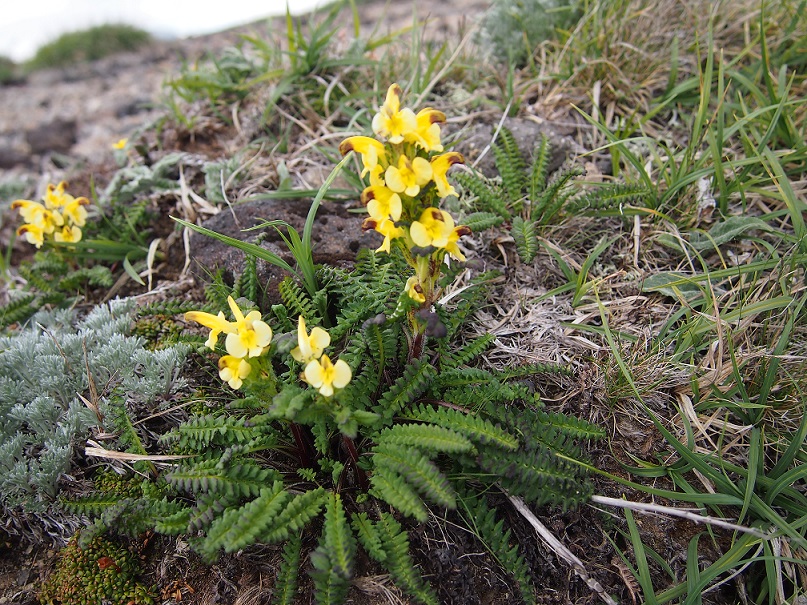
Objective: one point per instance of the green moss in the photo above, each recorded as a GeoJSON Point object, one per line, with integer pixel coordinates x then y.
{"type": "Point", "coordinates": [101, 572]}
{"type": "Point", "coordinates": [88, 45]}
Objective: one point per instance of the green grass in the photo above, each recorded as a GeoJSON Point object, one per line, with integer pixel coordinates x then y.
{"type": "Point", "coordinates": [88, 45]}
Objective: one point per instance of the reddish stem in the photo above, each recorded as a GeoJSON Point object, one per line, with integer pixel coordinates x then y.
{"type": "Point", "coordinates": [302, 445]}
{"type": "Point", "coordinates": [361, 476]}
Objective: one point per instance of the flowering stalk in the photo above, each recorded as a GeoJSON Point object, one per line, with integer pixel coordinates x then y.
{"type": "Point", "coordinates": [407, 173]}
{"type": "Point", "coordinates": [58, 218]}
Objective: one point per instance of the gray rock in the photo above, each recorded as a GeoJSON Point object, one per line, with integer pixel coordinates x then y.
{"type": "Point", "coordinates": [57, 136]}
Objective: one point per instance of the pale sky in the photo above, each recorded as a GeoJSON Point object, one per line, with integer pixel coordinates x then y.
{"type": "Point", "coordinates": [26, 25]}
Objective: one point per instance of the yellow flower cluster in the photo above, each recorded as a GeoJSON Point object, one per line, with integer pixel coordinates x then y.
{"type": "Point", "coordinates": [320, 372]}
{"type": "Point", "coordinates": [247, 336]}
{"type": "Point", "coordinates": [60, 216]}
{"type": "Point", "coordinates": [407, 174]}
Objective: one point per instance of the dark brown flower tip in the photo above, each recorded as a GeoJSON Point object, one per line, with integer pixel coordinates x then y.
{"type": "Point", "coordinates": [455, 157]}
{"type": "Point", "coordinates": [437, 215]}
{"type": "Point", "coordinates": [463, 230]}
{"type": "Point", "coordinates": [367, 195]}
{"type": "Point", "coordinates": [345, 146]}
{"type": "Point", "coordinates": [368, 224]}
{"type": "Point", "coordinates": [83, 201]}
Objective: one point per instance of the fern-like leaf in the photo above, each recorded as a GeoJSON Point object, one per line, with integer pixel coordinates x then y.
{"type": "Point", "coordinates": [511, 166]}
{"type": "Point", "coordinates": [489, 196]}
{"type": "Point", "coordinates": [333, 558]}
{"type": "Point", "coordinates": [480, 221]}
{"type": "Point", "coordinates": [241, 526]}
{"type": "Point", "coordinates": [524, 233]}
{"type": "Point", "coordinates": [540, 167]}
{"type": "Point", "coordinates": [399, 562]}
{"type": "Point", "coordinates": [298, 302]}
{"type": "Point", "coordinates": [611, 199]}
{"type": "Point", "coordinates": [390, 487]}
{"type": "Point", "coordinates": [466, 353]}
{"type": "Point", "coordinates": [418, 470]}
{"type": "Point", "coordinates": [406, 389]}
{"type": "Point", "coordinates": [243, 479]}
{"type": "Point", "coordinates": [479, 516]}
{"type": "Point", "coordinates": [369, 536]}
{"type": "Point", "coordinates": [426, 437]}
{"type": "Point", "coordinates": [285, 588]}
{"type": "Point", "coordinates": [294, 516]}
{"type": "Point", "coordinates": [478, 430]}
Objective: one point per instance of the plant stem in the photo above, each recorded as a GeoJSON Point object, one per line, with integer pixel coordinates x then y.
{"type": "Point", "coordinates": [361, 476]}
{"type": "Point", "coordinates": [302, 445]}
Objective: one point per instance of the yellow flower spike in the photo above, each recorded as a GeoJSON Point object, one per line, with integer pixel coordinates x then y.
{"type": "Point", "coordinates": [451, 247]}
{"type": "Point", "coordinates": [409, 175]}
{"type": "Point", "coordinates": [251, 336]}
{"type": "Point", "coordinates": [325, 376]}
{"type": "Point", "coordinates": [33, 234]}
{"type": "Point", "coordinates": [385, 227]}
{"type": "Point", "coordinates": [392, 122]}
{"type": "Point", "coordinates": [382, 203]}
{"type": "Point", "coordinates": [372, 152]}
{"type": "Point", "coordinates": [309, 347]}
{"type": "Point", "coordinates": [415, 290]}
{"type": "Point", "coordinates": [233, 370]}
{"type": "Point", "coordinates": [121, 144]}
{"type": "Point", "coordinates": [216, 323]}
{"type": "Point", "coordinates": [440, 166]}
{"type": "Point", "coordinates": [74, 210]}
{"type": "Point", "coordinates": [427, 133]}
{"type": "Point", "coordinates": [68, 233]}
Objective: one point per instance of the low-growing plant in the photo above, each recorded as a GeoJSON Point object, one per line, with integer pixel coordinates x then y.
{"type": "Point", "coordinates": [98, 572]}
{"type": "Point", "coordinates": [88, 45]}
{"type": "Point", "coordinates": [368, 411]}
{"type": "Point", "coordinates": [59, 378]}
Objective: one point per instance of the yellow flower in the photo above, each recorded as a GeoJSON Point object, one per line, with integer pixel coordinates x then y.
{"type": "Point", "coordinates": [74, 211]}
{"type": "Point", "coordinates": [440, 166]}
{"type": "Point", "coordinates": [427, 133]}
{"type": "Point", "coordinates": [382, 203]}
{"type": "Point", "coordinates": [415, 290]}
{"type": "Point", "coordinates": [392, 122]}
{"type": "Point", "coordinates": [372, 152]}
{"type": "Point", "coordinates": [251, 334]}
{"type": "Point", "coordinates": [121, 144]}
{"type": "Point", "coordinates": [385, 227]}
{"type": "Point", "coordinates": [325, 376]}
{"type": "Point", "coordinates": [216, 323]}
{"type": "Point", "coordinates": [33, 234]}
{"type": "Point", "coordinates": [309, 347]}
{"type": "Point", "coordinates": [55, 196]}
{"type": "Point", "coordinates": [37, 215]}
{"type": "Point", "coordinates": [68, 233]}
{"type": "Point", "coordinates": [408, 176]}
{"type": "Point", "coordinates": [436, 228]}
{"type": "Point", "coordinates": [233, 370]}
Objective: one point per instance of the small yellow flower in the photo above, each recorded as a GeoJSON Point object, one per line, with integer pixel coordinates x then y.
{"type": "Point", "coordinates": [74, 211]}
{"type": "Point", "coordinates": [33, 234]}
{"type": "Point", "coordinates": [409, 175]}
{"type": "Point", "coordinates": [233, 370]}
{"type": "Point", "coordinates": [55, 196]}
{"type": "Point", "coordinates": [392, 122]}
{"type": "Point", "coordinates": [121, 144]}
{"type": "Point", "coordinates": [427, 133]}
{"type": "Point", "coordinates": [309, 347]}
{"type": "Point", "coordinates": [251, 334]}
{"type": "Point", "coordinates": [372, 152]}
{"type": "Point", "coordinates": [382, 203]}
{"type": "Point", "coordinates": [415, 290]}
{"type": "Point", "coordinates": [440, 166]}
{"type": "Point", "coordinates": [216, 323]}
{"type": "Point", "coordinates": [68, 233]}
{"type": "Point", "coordinates": [385, 227]}
{"type": "Point", "coordinates": [436, 228]}
{"type": "Point", "coordinates": [325, 376]}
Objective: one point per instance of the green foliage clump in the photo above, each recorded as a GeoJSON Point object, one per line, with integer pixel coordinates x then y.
{"type": "Point", "coordinates": [512, 29]}
{"type": "Point", "coordinates": [88, 45]}
{"type": "Point", "coordinates": [8, 71]}
{"type": "Point", "coordinates": [44, 368]}
{"type": "Point", "coordinates": [101, 572]}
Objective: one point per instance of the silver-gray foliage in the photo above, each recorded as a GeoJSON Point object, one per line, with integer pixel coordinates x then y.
{"type": "Point", "coordinates": [44, 367]}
